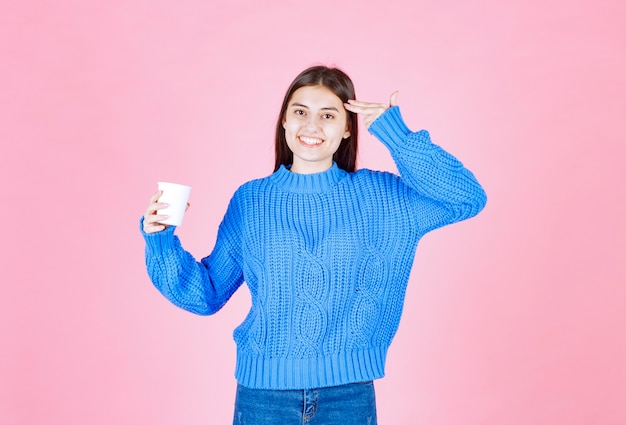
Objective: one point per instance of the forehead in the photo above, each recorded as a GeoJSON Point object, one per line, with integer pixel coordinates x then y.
{"type": "Point", "coordinates": [316, 97]}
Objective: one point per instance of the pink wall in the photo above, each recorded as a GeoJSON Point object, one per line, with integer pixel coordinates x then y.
{"type": "Point", "coordinates": [514, 317]}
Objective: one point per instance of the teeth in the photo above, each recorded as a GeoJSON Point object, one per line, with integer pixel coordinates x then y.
{"type": "Point", "coordinates": [311, 140]}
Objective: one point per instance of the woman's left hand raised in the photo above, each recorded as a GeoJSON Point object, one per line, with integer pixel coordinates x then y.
{"type": "Point", "coordinates": [370, 110]}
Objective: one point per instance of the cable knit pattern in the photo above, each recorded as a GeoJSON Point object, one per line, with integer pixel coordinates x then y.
{"type": "Point", "coordinates": [326, 258]}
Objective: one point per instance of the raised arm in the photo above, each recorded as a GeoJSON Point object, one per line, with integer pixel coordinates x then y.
{"type": "Point", "coordinates": [446, 191]}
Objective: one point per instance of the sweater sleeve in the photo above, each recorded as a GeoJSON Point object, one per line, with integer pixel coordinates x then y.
{"type": "Point", "coordinates": [201, 287]}
{"type": "Point", "coordinates": [446, 191]}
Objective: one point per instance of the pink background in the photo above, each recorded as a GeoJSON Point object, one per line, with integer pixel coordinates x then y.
{"type": "Point", "coordinates": [514, 317]}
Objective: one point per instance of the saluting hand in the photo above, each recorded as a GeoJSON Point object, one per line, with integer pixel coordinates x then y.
{"type": "Point", "coordinates": [370, 110]}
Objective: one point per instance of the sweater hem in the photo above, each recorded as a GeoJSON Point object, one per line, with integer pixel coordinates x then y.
{"type": "Point", "coordinates": [258, 372]}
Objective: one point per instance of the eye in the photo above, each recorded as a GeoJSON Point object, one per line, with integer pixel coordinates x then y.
{"type": "Point", "coordinates": [299, 112]}
{"type": "Point", "coordinates": [328, 116]}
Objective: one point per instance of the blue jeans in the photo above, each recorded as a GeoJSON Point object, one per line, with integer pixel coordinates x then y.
{"type": "Point", "coordinates": [351, 404]}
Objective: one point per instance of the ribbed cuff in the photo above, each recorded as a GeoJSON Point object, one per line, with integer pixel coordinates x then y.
{"type": "Point", "coordinates": [160, 241]}
{"type": "Point", "coordinates": [391, 130]}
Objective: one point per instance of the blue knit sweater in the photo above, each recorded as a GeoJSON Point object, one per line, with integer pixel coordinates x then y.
{"type": "Point", "coordinates": [326, 258]}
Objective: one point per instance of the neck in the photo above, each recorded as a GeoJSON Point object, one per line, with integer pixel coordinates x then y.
{"type": "Point", "coordinates": [301, 167]}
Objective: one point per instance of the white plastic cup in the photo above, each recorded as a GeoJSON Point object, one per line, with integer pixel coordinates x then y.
{"type": "Point", "coordinates": [176, 196]}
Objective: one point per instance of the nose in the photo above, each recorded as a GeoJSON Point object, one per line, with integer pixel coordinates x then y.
{"type": "Point", "coordinates": [312, 124]}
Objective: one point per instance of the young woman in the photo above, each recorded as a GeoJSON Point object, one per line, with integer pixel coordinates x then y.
{"type": "Point", "coordinates": [325, 251]}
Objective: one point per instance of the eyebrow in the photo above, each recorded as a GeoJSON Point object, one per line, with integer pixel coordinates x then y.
{"type": "Point", "coordinates": [328, 108]}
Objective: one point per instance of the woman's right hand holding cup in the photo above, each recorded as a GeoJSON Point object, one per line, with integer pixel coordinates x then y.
{"type": "Point", "coordinates": [152, 218]}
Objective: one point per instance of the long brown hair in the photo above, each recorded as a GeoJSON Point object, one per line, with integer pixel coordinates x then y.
{"type": "Point", "coordinates": [341, 85]}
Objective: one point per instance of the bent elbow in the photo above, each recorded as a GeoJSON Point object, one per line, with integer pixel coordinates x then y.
{"type": "Point", "coordinates": [473, 205]}
{"type": "Point", "coordinates": [479, 202]}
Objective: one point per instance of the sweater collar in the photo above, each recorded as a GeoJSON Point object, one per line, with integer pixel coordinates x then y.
{"type": "Point", "coordinates": [308, 183]}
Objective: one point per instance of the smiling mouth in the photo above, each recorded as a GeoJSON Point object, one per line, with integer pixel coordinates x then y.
{"type": "Point", "coordinates": [310, 141]}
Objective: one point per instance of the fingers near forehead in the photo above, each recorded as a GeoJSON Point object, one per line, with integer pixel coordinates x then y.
{"type": "Point", "coordinates": [366, 104]}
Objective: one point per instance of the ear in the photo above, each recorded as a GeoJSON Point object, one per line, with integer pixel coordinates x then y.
{"type": "Point", "coordinates": [346, 134]}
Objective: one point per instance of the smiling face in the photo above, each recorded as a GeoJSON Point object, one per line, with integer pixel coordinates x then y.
{"type": "Point", "coordinates": [315, 123]}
